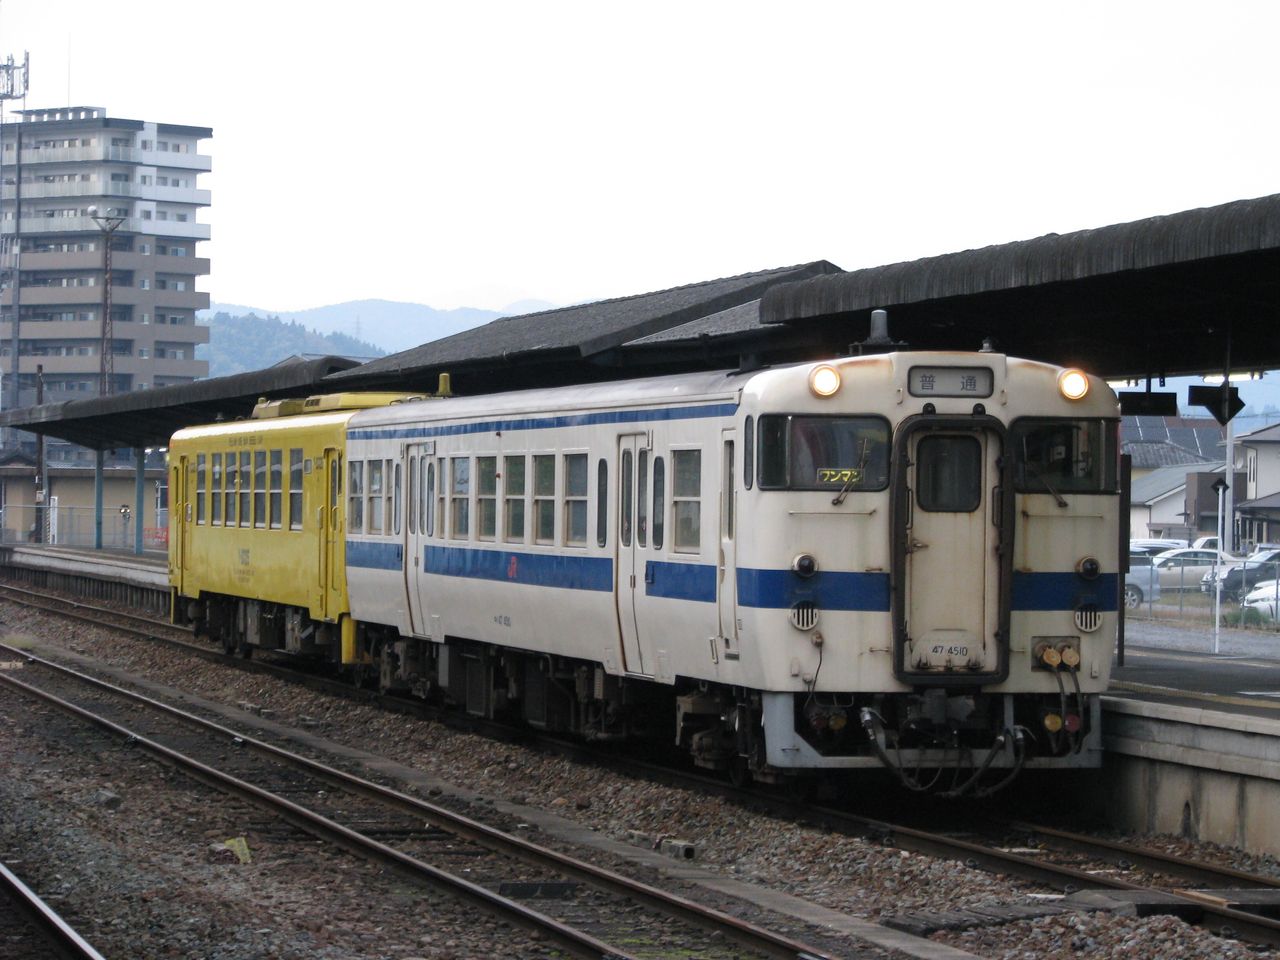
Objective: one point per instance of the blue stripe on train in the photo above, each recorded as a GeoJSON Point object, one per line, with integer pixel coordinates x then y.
{"type": "Point", "coordinates": [1063, 591]}
{"type": "Point", "coordinates": [534, 569]}
{"type": "Point", "coordinates": [779, 589]}
{"type": "Point", "coordinates": [649, 415]}
{"type": "Point", "coordinates": [375, 554]}
{"type": "Point", "coordinates": [765, 589]}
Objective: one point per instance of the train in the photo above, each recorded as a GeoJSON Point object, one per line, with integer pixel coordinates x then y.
{"type": "Point", "coordinates": [905, 560]}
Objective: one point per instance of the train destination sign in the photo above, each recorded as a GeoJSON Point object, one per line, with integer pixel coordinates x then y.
{"type": "Point", "coordinates": [950, 382]}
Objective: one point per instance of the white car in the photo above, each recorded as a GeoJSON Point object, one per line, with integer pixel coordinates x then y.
{"type": "Point", "coordinates": [1265, 598]}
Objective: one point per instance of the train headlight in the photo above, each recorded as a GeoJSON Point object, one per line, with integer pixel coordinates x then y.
{"type": "Point", "coordinates": [1073, 384]}
{"type": "Point", "coordinates": [1089, 568]}
{"type": "Point", "coordinates": [824, 381]}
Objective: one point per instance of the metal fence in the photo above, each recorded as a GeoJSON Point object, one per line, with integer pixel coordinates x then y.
{"type": "Point", "coordinates": [74, 527]}
{"type": "Point", "coordinates": [1196, 597]}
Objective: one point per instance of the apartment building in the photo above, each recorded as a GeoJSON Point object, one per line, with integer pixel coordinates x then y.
{"type": "Point", "coordinates": [73, 179]}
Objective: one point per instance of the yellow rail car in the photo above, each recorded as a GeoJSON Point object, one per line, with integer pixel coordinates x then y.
{"type": "Point", "coordinates": [257, 531]}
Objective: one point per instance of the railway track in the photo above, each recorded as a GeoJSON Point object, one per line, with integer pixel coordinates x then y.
{"type": "Point", "coordinates": [29, 927]}
{"type": "Point", "coordinates": [1053, 860]}
{"type": "Point", "coordinates": [504, 873]}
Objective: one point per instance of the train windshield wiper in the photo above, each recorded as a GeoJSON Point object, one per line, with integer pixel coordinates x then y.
{"type": "Point", "coordinates": [1041, 477]}
{"type": "Point", "coordinates": [855, 474]}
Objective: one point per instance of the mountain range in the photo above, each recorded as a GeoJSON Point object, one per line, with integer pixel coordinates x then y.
{"type": "Point", "coordinates": [388, 324]}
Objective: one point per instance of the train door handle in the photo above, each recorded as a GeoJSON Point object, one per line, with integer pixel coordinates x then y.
{"type": "Point", "coordinates": [915, 545]}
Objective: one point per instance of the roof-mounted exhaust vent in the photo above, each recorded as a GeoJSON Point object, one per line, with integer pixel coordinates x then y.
{"type": "Point", "coordinates": [878, 339]}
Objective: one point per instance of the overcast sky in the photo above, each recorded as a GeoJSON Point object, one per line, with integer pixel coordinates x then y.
{"type": "Point", "coordinates": [477, 153]}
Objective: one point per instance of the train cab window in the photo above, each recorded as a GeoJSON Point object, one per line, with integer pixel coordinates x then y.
{"type": "Point", "coordinates": [200, 487]}
{"type": "Point", "coordinates": [486, 497]}
{"type": "Point", "coordinates": [246, 488]}
{"type": "Point", "coordinates": [686, 503]}
{"type": "Point", "coordinates": [642, 498]}
{"type": "Point", "coordinates": [373, 508]}
{"type": "Point", "coordinates": [513, 491]}
{"type": "Point", "coordinates": [355, 496]}
{"type": "Point", "coordinates": [544, 498]}
{"type": "Point", "coordinates": [575, 499]}
{"type": "Point", "coordinates": [295, 488]}
{"type": "Point", "coordinates": [460, 497]}
{"type": "Point", "coordinates": [823, 453]}
{"type": "Point", "coordinates": [748, 451]}
{"type": "Point", "coordinates": [949, 474]}
{"type": "Point", "coordinates": [276, 489]}
{"type": "Point", "coordinates": [602, 502]}
{"type": "Point", "coordinates": [215, 488]}
{"type": "Point", "coordinates": [396, 495]}
{"type": "Point", "coordinates": [1059, 456]}
{"type": "Point", "coordinates": [659, 501]}
{"type": "Point", "coordinates": [259, 488]}
{"type": "Point", "coordinates": [429, 499]}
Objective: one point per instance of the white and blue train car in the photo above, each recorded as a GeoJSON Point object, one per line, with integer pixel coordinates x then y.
{"type": "Point", "coordinates": [907, 559]}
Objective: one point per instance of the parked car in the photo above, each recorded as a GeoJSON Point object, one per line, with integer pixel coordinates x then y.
{"type": "Point", "coordinates": [1141, 583]}
{"type": "Point", "coordinates": [1153, 546]}
{"type": "Point", "coordinates": [1184, 569]}
{"type": "Point", "coordinates": [1240, 577]}
{"type": "Point", "coordinates": [1265, 598]}
{"type": "Point", "coordinates": [1205, 543]}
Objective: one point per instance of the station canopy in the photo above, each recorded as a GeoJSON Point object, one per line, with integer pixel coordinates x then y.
{"type": "Point", "coordinates": [1190, 293]}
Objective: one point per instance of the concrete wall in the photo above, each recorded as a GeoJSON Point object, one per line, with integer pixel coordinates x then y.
{"type": "Point", "coordinates": [1201, 774]}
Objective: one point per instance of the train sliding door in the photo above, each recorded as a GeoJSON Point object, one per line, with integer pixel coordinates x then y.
{"type": "Point", "coordinates": [420, 511]}
{"type": "Point", "coordinates": [332, 547]}
{"type": "Point", "coordinates": [948, 564]}
{"type": "Point", "coordinates": [632, 538]}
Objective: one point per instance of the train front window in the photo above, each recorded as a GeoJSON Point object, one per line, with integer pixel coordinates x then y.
{"type": "Point", "coordinates": [823, 453]}
{"type": "Point", "coordinates": [1058, 456]}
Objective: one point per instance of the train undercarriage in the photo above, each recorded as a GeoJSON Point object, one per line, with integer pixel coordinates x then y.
{"type": "Point", "coordinates": [954, 741]}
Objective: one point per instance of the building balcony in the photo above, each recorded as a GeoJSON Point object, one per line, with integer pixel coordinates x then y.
{"type": "Point", "coordinates": [176, 299]}
{"type": "Point", "coordinates": [36, 156]}
{"type": "Point", "coordinates": [120, 260]}
{"type": "Point", "coordinates": [188, 230]}
{"type": "Point", "coordinates": [51, 330]}
{"type": "Point", "coordinates": [105, 191]}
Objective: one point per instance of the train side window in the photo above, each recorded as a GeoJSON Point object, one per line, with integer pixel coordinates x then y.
{"type": "Point", "coordinates": [575, 499]}
{"type": "Point", "coordinates": [429, 498]}
{"type": "Point", "coordinates": [460, 497]}
{"type": "Point", "coordinates": [259, 488]}
{"type": "Point", "coordinates": [396, 495]}
{"type": "Point", "coordinates": [355, 496]}
{"type": "Point", "coordinates": [544, 498]}
{"type": "Point", "coordinates": [726, 512]}
{"type": "Point", "coordinates": [748, 452]}
{"type": "Point", "coordinates": [277, 487]}
{"type": "Point", "coordinates": [413, 494]}
{"type": "Point", "coordinates": [486, 497]}
{"type": "Point", "coordinates": [215, 488]}
{"type": "Point", "coordinates": [373, 510]}
{"type": "Point", "coordinates": [200, 491]}
{"type": "Point", "coordinates": [513, 492]}
{"type": "Point", "coordinates": [659, 501]}
{"type": "Point", "coordinates": [441, 486]}
{"type": "Point", "coordinates": [686, 505]}
{"type": "Point", "coordinates": [602, 502]}
{"type": "Point", "coordinates": [246, 488]}
{"type": "Point", "coordinates": [642, 498]}
{"type": "Point", "coordinates": [229, 493]}
{"type": "Point", "coordinates": [625, 501]}
{"type": "Point", "coordinates": [295, 488]}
